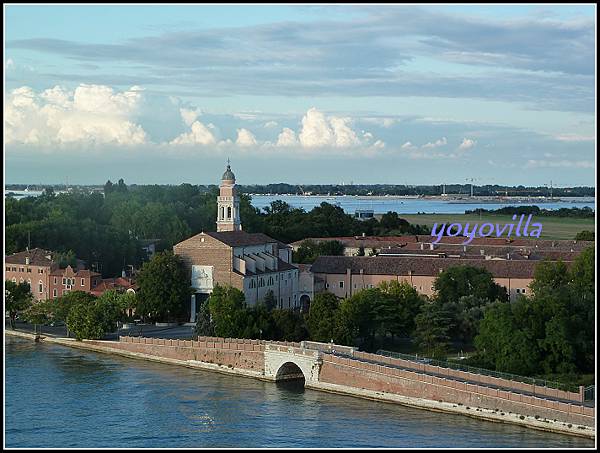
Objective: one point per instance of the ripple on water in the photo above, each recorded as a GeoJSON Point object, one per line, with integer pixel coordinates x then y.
{"type": "Point", "coordinates": [57, 396]}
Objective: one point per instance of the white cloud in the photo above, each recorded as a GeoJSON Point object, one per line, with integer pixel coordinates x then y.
{"type": "Point", "coordinates": [199, 135]}
{"type": "Point", "coordinates": [245, 138]}
{"type": "Point", "coordinates": [91, 114]}
{"type": "Point", "coordinates": [409, 146]}
{"type": "Point", "coordinates": [559, 164]}
{"type": "Point", "coordinates": [574, 138]}
{"type": "Point", "coordinates": [466, 144]}
{"type": "Point", "coordinates": [189, 115]}
{"type": "Point", "coordinates": [270, 124]}
{"type": "Point", "coordinates": [287, 137]}
{"type": "Point", "coordinates": [319, 131]}
{"type": "Point", "coordinates": [440, 142]}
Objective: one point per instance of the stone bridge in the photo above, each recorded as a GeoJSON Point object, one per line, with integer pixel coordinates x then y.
{"type": "Point", "coordinates": [343, 369]}
{"type": "Point", "coordinates": [283, 363]}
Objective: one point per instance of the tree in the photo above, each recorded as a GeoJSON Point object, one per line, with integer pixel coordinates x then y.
{"type": "Point", "coordinates": [18, 297]}
{"type": "Point", "coordinates": [204, 325]}
{"type": "Point", "coordinates": [164, 287]}
{"type": "Point", "coordinates": [38, 313]}
{"type": "Point", "coordinates": [289, 325]}
{"type": "Point", "coordinates": [585, 235]}
{"type": "Point", "coordinates": [322, 317]}
{"type": "Point", "coordinates": [403, 305]}
{"type": "Point", "coordinates": [458, 281]}
{"type": "Point", "coordinates": [432, 326]}
{"type": "Point", "coordinates": [60, 308]}
{"type": "Point", "coordinates": [226, 305]}
{"type": "Point", "coordinates": [269, 300]}
{"type": "Point", "coordinates": [551, 331]}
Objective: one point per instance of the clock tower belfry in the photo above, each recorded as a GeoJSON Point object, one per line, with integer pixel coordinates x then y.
{"type": "Point", "coordinates": [228, 203]}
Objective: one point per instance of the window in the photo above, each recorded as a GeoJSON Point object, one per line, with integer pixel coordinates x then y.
{"type": "Point", "coordinates": [341, 284]}
{"type": "Point", "coordinates": [29, 270]}
{"type": "Point", "coordinates": [64, 281]}
{"type": "Point", "coordinates": [518, 291]}
{"type": "Point", "coordinates": [326, 285]}
{"type": "Point", "coordinates": [54, 292]}
{"type": "Point", "coordinates": [55, 280]}
{"type": "Point", "coordinates": [21, 280]}
{"type": "Point", "coordinates": [523, 290]}
{"type": "Point", "coordinates": [40, 287]}
{"type": "Point", "coordinates": [14, 280]}
{"type": "Point", "coordinates": [83, 282]}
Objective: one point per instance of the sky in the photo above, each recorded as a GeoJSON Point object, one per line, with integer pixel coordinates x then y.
{"type": "Point", "coordinates": [365, 94]}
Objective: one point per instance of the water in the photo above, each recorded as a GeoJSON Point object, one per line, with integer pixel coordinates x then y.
{"type": "Point", "coordinates": [62, 397]}
{"type": "Point", "coordinates": [413, 205]}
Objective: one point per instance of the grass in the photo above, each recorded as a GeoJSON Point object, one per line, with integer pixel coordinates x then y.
{"type": "Point", "coordinates": [552, 227]}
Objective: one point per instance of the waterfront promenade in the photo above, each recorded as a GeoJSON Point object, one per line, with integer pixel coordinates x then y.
{"type": "Point", "coordinates": [359, 374]}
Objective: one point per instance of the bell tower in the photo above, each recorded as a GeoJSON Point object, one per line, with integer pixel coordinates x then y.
{"type": "Point", "coordinates": [228, 203]}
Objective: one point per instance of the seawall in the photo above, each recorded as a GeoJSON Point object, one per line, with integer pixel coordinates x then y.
{"type": "Point", "coordinates": [250, 358]}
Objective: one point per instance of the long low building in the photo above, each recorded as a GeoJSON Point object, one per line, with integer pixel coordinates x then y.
{"type": "Point", "coordinates": [346, 275]}
{"type": "Point", "coordinates": [517, 247]}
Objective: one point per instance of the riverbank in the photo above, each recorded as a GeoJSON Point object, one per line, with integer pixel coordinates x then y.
{"type": "Point", "coordinates": [114, 347]}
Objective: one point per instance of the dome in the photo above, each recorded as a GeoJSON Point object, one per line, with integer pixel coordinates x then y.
{"type": "Point", "coordinates": [228, 175]}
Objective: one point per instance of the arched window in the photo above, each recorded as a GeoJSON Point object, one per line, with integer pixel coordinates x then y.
{"type": "Point", "coordinates": [40, 287]}
{"type": "Point", "coordinates": [229, 212]}
{"type": "Point", "coordinates": [14, 280]}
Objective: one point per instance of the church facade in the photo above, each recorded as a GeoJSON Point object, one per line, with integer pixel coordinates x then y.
{"type": "Point", "coordinates": [254, 263]}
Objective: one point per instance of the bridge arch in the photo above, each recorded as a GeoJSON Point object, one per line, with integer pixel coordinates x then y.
{"type": "Point", "coordinates": [289, 371]}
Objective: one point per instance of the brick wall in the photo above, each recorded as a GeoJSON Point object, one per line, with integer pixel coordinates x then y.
{"type": "Point", "coordinates": [351, 373]}
{"type": "Point", "coordinates": [237, 354]}
{"type": "Point", "coordinates": [481, 379]}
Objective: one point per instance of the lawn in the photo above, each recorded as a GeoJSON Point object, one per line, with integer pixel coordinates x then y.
{"type": "Point", "coordinates": [552, 227]}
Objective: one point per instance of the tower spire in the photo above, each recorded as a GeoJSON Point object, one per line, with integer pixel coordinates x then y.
{"type": "Point", "coordinates": [228, 203]}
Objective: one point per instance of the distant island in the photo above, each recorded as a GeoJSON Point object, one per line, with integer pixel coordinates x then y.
{"type": "Point", "coordinates": [440, 190]}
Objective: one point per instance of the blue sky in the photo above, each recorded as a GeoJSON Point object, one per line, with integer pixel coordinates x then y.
{"type": "Point", "coordinates": [300, 94]}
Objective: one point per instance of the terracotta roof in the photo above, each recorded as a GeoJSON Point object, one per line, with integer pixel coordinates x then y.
{"type": "Point", "coordinates": [240, 238]}
{"type": "Point", "coordinates": [413, 242]}
{"type": "Point", "coordinates": [399, 265]}
{"type": "Point", "coordinates": [37, 257]}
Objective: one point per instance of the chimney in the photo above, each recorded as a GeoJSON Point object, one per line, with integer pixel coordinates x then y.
{"type": "Point", "coordinates": [363, 235]}
{"type": "Point", "coordinates": [431, 246]}
{"type": "Point", "coordinates": [123, 274]}
{"type": "Point", "coordinates": [422, 245]}
{"type": "Point", "coordinates": [27, 260]}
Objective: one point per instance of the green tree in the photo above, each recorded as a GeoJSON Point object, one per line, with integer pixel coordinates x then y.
{"type": "Point", "coordinates": [458, 281]}
{"type": "Point", "coordinates": [585, 235]}
{"type": "Point", "coordinates": [289, 325]}
{"type": "Point", "coordinates": [322, 317]}
{"type": "Point", "coordinates": [204, 325]}
{"type": "Point", "coordinates": [402, 307]}
{"type": "Point", "coordinates": [433, 324]}
{"type": "Point", "coordinates": [164, 288]}
{"type": "Point", "coordinates": [38, 313]}
{"type": "Point", "coordinates": [226, 305]}
{"type": "Point", "coordinates": [270, 300]}
{"type": "Point", "coordinates": [18, 297]}
{"type": "Point", "coordinates": [60, 308]}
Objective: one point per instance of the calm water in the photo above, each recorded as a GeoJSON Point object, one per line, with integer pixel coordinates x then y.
{"type": "Point", "coordinates": [411, 205]}
{"type": "Point", "coordinates": [63, 397]}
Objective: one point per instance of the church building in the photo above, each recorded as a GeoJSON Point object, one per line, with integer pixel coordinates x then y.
{"type": "Point", "coordinates": [252, 262]}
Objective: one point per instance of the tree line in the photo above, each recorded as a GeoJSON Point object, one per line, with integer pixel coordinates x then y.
{"type": "Point", "coordinates": [107, 231]}
{"type": "Point", "coordinates": [576, 213]}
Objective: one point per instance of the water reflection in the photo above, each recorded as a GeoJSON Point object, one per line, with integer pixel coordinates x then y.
{"type": "Point", "coordinates": [62, 397]}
